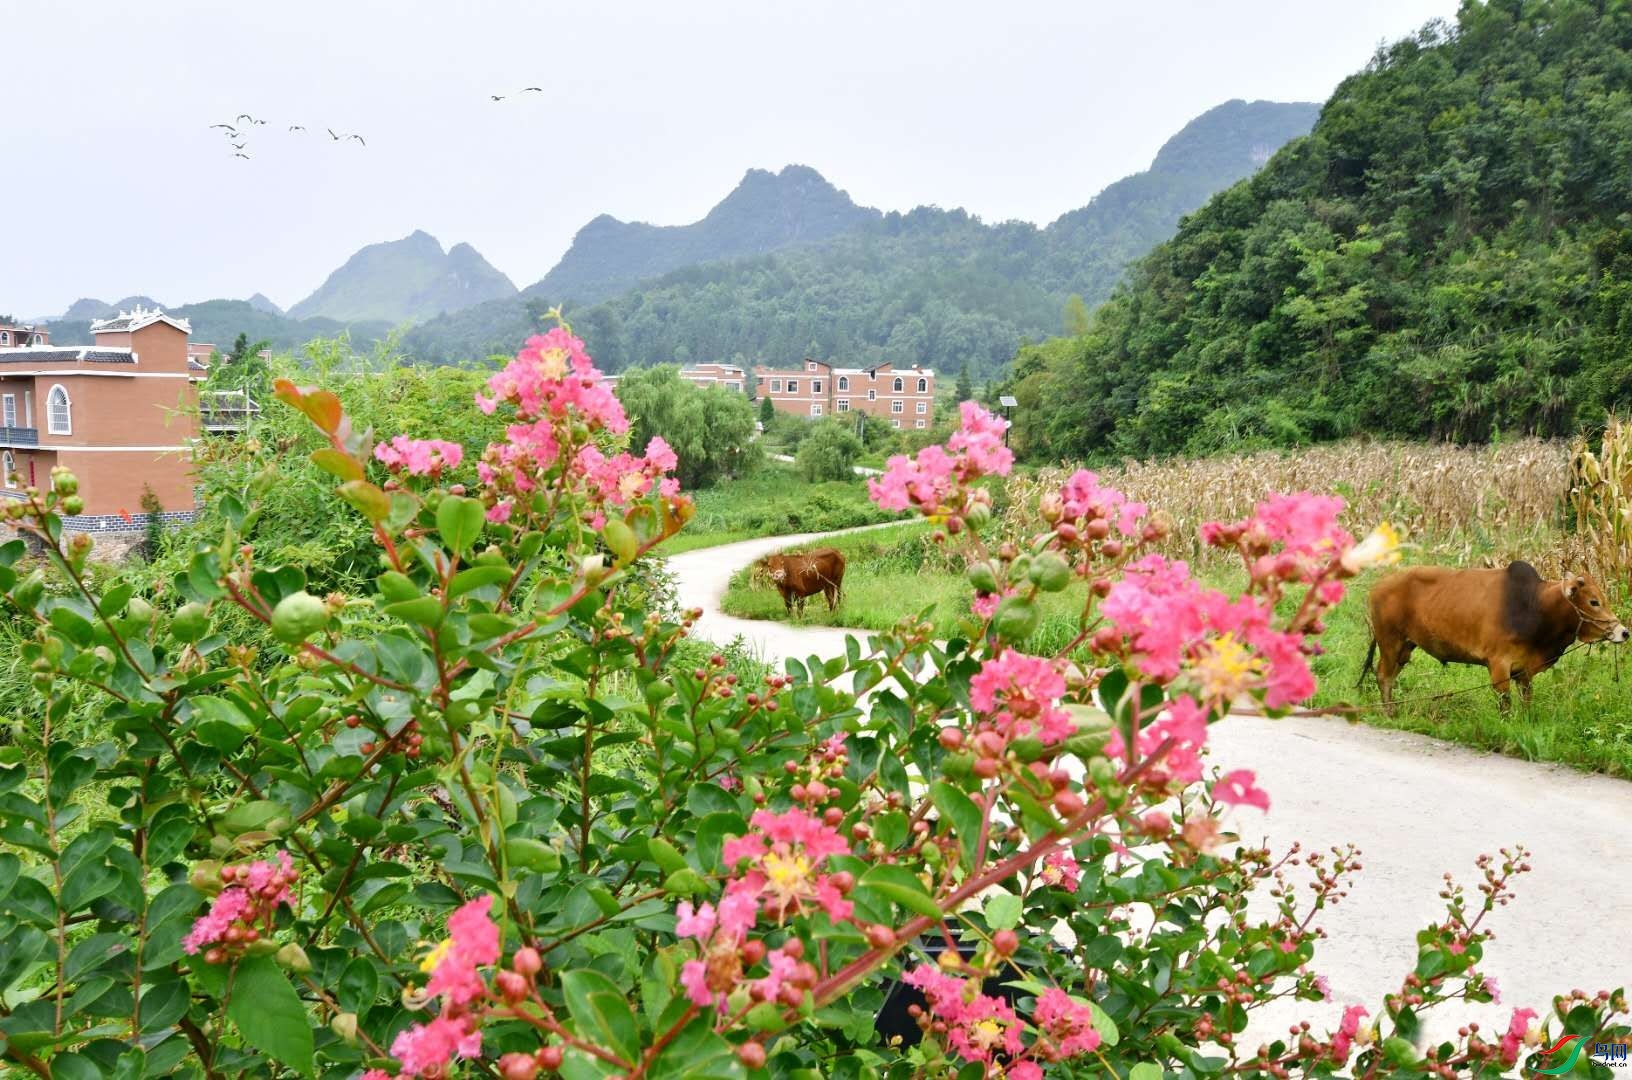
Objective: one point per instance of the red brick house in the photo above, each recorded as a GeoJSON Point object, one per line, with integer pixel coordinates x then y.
{"type": "Point", "coordinates": [120, 413]}
{"type": "Point", "coordinates": [903, 396]}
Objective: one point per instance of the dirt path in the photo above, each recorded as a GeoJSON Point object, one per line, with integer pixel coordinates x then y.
{"type": "Point", "coordinates": [1416, 807]}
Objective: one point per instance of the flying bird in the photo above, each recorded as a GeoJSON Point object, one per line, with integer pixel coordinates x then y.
{"type": "Point", "coordinates": [245, 116]}
{"type": "Point", "coordinates": [359, 138]}
{"type": "Point", "coordinates": [496, 97]}
{"type": "Point", "coordinates": [229, 127]}
{"type": "Point", "coordinates": [239, 145]}
{"type": "Point", "coordinates": [296, 127]}
{"type": "Point", "coordinates": [244, 156]}
{"type": "Point", "coordinates": [332, 135]}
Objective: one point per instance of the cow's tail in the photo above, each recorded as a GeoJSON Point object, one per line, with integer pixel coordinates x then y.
{"type": "Point", "coordinates": [1366, 668]}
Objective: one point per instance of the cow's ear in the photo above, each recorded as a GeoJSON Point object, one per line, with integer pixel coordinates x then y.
{"type": "Point", "coordinates": [1571, 584]}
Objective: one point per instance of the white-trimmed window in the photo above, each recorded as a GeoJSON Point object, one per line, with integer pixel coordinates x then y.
{"type": "Point", "coordinates": [899, 385]}
{"type": "Point", "coordinates": [923, 386]}
{"type": "Point", "coordinates": [920, 423]}
{"type": "Point", "coordinates": [898, 405]}
{"type": "Point", "coordinates": [844, 382]}
{"type": "Point", "coordinates": [793, 386]}
{"type": "Point", "coordinates": [844, 404]}
{"type": "Point", "coordinates": [5, 337]}
{"type": "Point", "coordinates": [815, 408]}
{"type": "Point", "coordinates": [872, 395]}
{"type": "Point", "coordinates": [810, 365]}
{"type": "Point", "coordinates": [895, 421]}
{"type": "Point", "coordinates": [815, 386]}
{"type": "Point", "coordinates": [776, 386]}
{"type": "Point", "coordinates": [59, 411]}
{"type": "Point", "coordinates": [9, 464]}
{"type": "Point", "coordinates": [923, 408]}
{"type": "Point", "coordinates": [9, 411]}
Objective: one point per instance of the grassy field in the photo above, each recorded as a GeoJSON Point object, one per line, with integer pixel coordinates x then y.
{"type": "Point", "coordinates": [1468, 508]}
{"type": "Point", "coordinates": [774, 501]}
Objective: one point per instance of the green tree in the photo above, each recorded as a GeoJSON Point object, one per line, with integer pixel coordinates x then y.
{"type": "Point", "coordinates": [1076, 316]}
{"type": "Point", "coordinates": [711, 429]}
{"type": "Point", "coordinates": [829, 451]}
{"type": "Point", "coordinates": [767, 412]}
{"type": "Point", "coordinates": [966, 387]}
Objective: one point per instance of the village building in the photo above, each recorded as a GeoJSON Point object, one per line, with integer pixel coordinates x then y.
{"type": "Point", "coordinates": [725, 376]}
{"type": "Point", "coordinates": [121, 414]}
{"type": "Point", "coordinates": [903, 396]}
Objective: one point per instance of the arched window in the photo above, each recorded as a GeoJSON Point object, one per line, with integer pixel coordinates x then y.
{"type": "Point", "coordinates": [898, 384]}
{"type": "Point", "coordinates": [58, 412]}
{"type": "Point", "coordinates": [5, 337]}
{"type": "Point", "coordinates": [9, 464]}
{"type": "Point", "coordinates": [844, 382]}
{"type": "Point", "coordinates": [923, 386]}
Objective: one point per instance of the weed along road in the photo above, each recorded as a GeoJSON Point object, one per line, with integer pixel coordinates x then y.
{"type": "Point", "coordinates": [1414, 806]}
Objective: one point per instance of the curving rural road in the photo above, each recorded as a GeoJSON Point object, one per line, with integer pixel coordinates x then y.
{"type": "Point", "coordinates": [1416, 807]}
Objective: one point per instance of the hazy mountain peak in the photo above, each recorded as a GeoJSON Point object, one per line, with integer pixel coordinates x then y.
{"type": "Point", "coordinates": [406, 280]}
{"type": "Point", "coordinates": [261, 302]}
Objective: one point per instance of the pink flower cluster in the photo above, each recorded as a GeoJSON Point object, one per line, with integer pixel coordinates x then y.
{"type": "Point", "coordinates": [1019, 695]}
{"type": "Point", "coordinates": [1239, 788]}
{"type": "Point", "coordinates": [472, 942]}
{"type": "Point", "coordinates": [722, 933]}
{"type": "Point", "coordinates": [785, 856]}
{"type": "Point", "coordinates": [929, 480]}
{"type": "Point", "coordinates": [1304, 529]}
{"type": "Point", "coordinates": [252, 896]}
{"type": "Point", "coordinates": [623, 478]}
{"type": "Point", "coordinates": [1171, 620]}
{"type": "Point", "coordinates": [1060, 869]}
{"type": "Point", "coordinates": [1347, 1029]}
{"type": "Point", "coordinates": [1518, 1027]}
{"type": "Point", "coordinates": [1067, 1025]}
{"type": "Point", "coordinates": [1184, 722]}
{"type": "Point", "coordinates": [978, 1026]}
{"type": "Point", "coordinates": [551, 375]}
{"type": "Point", "coordinates": [419, 457]}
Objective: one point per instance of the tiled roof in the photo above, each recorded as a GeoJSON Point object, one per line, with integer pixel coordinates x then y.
{"type": "Point", "coordinates": [65, 353]}
{"type": "Point", "coordinates": [135, 320]}
{"type": "Point", "coordinates": [194, 365]}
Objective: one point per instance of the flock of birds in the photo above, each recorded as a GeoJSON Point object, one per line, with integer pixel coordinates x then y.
{"type": "Point", "coordinates": [243, 124]}
{"type": "Point", "coordinates": [238, 136]}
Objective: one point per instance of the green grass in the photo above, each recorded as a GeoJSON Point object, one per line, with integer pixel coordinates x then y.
{"type": "Point", "coordinates": [1581, 714]}
{"type": "Point", "coordinates": [774, 501]}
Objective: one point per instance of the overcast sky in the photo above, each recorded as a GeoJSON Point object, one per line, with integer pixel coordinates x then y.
{"type": "Point", "coordinates": [651, 111]}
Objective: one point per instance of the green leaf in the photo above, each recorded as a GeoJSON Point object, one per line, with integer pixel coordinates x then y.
{"type": "Point", "coordinates": [903, 887]}
{"type": "Point", "coordinates": [359, 985]}
{"type": "Point", "coordinates": [221, 724]}
{"type": "Point", "coordinates": [22, 949]}
{"type": "Point", "coordinates": [476, 577]}
{"type": "Point", "coordinates": [459, 520]}
{"type": "Point", "coordinates": [366, 499]}
{"type": "Point", "coordinates": [269, 1015]}
{"type": "Point", "coordinates": [1145, 1071]}
{"type": "Point", "coordinates": [425, 611]}
{"type": "Point", "coordinates": [664, 854]}
{"type": "Point", "coordinates": [961, 814]}
{"type": "Point", "coordinates": [168, 834]}
{"type": "Point", "coordinates": [601, 1011]}
{"type": "Point", "coordinates": [1002, 911]}
{"type": "Point", "coordinates": [337, 463]}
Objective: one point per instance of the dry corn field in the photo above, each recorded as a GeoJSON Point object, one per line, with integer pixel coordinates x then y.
{"type": "Point", "coordinates": [1483, 505]}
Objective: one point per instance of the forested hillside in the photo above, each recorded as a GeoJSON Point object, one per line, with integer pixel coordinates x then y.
{"type": "Point", "coordinates": [1448, 255]}
{"type": "Point", "coordinates": [405, 281]}
{"type": "Point", "coordinates": [221, 321]}
{"type": "Point", "coordinates": [932, 286]}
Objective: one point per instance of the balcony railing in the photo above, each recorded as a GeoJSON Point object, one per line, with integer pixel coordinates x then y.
{"type": "Point", "coordinates": [19, 436]}
{"type": "Point", "coordinates": [226, 410]}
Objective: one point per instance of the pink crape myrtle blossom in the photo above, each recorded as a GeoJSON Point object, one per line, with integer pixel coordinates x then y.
{"type": "Point", "coordinates": [426, 1049]}
{"type": "Point", "coordinates": [472, 942]}
{"type": "Point", "coordinates": [1518, 1032]}
{"type": "Point", "coordinates": [785, 853]}
{"type": "Point", "coordinates": [930, 480]}
{"type": "Point", "coordinates": [1019, 694]}
{"type": "Point", "coordinates": [984, 605]}
{"type": "Point", "coordinates": [1067, 1024]}
{"type": "Point", "coordinates": [550, 375]}
{"type": "Point", "coordinates": [419, 457]}
{"type": "Point", "coordinates": [978, 1026]}
{"type": "Point", "coordinates": [1184, 722]}
{"type": "Point", "coordinates": [1060, 869]}
{"type": "Point", "coordinates": [1491, 987]}
{"type": "Point", "coordinates": [1347, 1029]}
{"type": "Point", "coordinates": [1239, 788]}
{"type": "Point", "coordinates": [623, 478]}
{"type": "Point", "coordinates": [252, 896]}
{"type": "Point", "coordinates": [1289, 537]}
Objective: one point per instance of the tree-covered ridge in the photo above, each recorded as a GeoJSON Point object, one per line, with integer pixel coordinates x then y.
{"type": "Point", "coordinates": [1448, 255]}
{"type": "Point", "coordinates": [764, 212]}
{"type": "Point", "coordinates": [221, 321]}
{"type": "Point", "coordinates": [931, 286]}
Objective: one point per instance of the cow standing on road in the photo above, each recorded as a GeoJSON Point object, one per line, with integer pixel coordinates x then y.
{"type": "Point", "coordinates": [1509, 621]}
{"type": "Point", "coordinates": [798, 577]}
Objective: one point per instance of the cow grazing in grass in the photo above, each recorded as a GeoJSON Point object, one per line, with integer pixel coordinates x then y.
{"type": "Point", "coordinates": [1509, 621]}
{"type": "Point", "coordinates": [798, 577]}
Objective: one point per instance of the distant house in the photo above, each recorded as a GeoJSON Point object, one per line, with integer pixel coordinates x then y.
{"type": "Point", "coordinates": [726, 376]}
{"type": "Point", "coordinates": [121, 414]}
{"type": "Point", "coordinates": [904, 396]}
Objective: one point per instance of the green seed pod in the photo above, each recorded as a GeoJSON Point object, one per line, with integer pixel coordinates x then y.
{"type": "Point", "coordinates": [983, 577]}
{"type": "Point", "coordinates": [190, 622]}
{"type": "Point", "coordinates": [73, 505]}
{"type": "Point", "coordinates": [1050, 572]}
{"type": "Point", "coordinates": [297, 617]}
{"type": "Point", "coordinates": [139, 611]}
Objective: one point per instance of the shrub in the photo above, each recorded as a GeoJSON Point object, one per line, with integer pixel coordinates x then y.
{"type": "Point", "coordinates": [829, 452]}
{"type": "Point", "coordinates": [489, 805]}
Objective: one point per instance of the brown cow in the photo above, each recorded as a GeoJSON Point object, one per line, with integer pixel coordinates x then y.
{"type": "Point", "coordinates": [800, 576]}
{"type": "Point", "coordinates": [1509, 621]}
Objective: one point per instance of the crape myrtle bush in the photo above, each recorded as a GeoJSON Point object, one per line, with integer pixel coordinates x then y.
{"type": "Point", "coordinates": [476, 820]}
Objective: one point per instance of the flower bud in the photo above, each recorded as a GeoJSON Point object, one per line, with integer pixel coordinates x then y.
{"type": "Point", "coordinates": [518, 1066]}
{"type": "Point", "coordinates": [293, 958]}
{"type": "Point", "coordinates": [752, 1055]}
{"type": "Point", "coordinates": [527, 961]}
{"type": "Point", "coordinates": [345, 1025]}
{"type": "Point", "coordinates": [549, 1058]}
{"type": "Point", "coordinates": [511, 987]}
{"type": "Point", "coordinates": [1006, 942]}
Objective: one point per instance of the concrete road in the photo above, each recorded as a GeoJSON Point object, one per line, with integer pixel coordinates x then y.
{"type": "Point", "coordinates": [1416, 807]}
